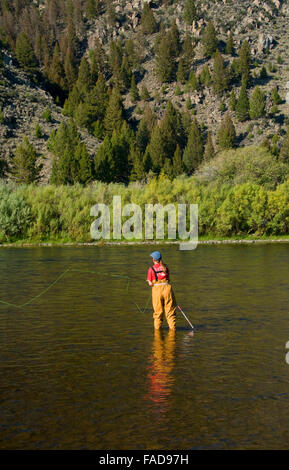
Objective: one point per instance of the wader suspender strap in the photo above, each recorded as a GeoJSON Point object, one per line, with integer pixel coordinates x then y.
{"type": "Point", "coordinates": [156, 275]}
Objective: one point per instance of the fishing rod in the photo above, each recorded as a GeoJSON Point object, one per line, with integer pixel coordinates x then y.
{"type": "Point", "coordinates": [185, 317]}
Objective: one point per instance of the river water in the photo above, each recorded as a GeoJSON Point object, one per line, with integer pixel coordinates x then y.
{"type": "Point", "coordinates": [81, 367]}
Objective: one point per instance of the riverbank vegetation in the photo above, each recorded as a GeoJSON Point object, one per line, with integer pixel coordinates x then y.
{"type": "Point", "coordinates": [239, 193]}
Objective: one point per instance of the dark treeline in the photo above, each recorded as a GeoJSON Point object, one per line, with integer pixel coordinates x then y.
{"type": "Point", "coordinates": [47, 39]}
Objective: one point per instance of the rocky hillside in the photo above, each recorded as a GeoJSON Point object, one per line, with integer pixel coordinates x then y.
{"type": "Point", "coordinates": [264, 24]}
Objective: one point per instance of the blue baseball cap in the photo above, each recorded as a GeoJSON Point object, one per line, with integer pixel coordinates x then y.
{"type": "Point", "coordinates": [156, 255]}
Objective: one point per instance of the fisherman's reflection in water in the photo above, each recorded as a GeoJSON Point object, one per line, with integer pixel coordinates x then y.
{"type": "Point", "coordinates": [160, 369]}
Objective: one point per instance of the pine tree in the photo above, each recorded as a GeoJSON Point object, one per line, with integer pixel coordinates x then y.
{"type": "Point", "coordinates": [71, 162]}
{"type": "Point", "coordinates": [190, 13]}
{"type": "Point", "coordinates": [98, 60]}
{"type": "Point", "coordinates": [167, 169]}
{"type": "Point", "coordinates": [148, 22]}
{"type": "Point", "coordinates": [188, 52]}
{"type": "Point", "coordinates": [276, 97]}
{"type": "Point", "coordinates": [103, 161]}
{"type": "Point", "coordinates": [145, 128]}
{"type": "Point", "coordinates": [70, 68]}
{"type": "Point", "coordinates": [227, 133]}
{"type": "Point", "coordinates": [178, 168]}
{"type": "Point", "coordinates": [115, 59]}
{"type": "Point", "coordinates": [114, 113]}
{"type": "Point", "coordinates": [84, 174]}
{"type": "Point", "coordinates": [181, 73]}
{"type": "Point", "coordinates": [138, 169]}
{"type": "Point", "coordinates": [121, 145]}
{"type": "Point", "coordinates": [209, 148]}
{"type": "Point", "coordinates": [25, 169]}
{"type": "Point", "coordinates": [230, 44]}
{"type": "Point", "coordinates": [263, 73]}
{"type": "Point", "coordinates": [91, 9]}
{"type": "Point", "coordinates": [193, 83]}
{"type": "Point", "coordinates": [257, 104]}
{"type": "Point", "coordinates": [220, 75]}
{"type": "Point", "coordinates": [245, 61]}
{"type": "Point", "coordinates": [165, 65]}
{"type": "Point", "coordinates": [174, 37]}
{"type": "Point", "coordinates": [84, 79]}
{"type": "Point", "coordinates": [144, 94]}
{"type": "Point", "coordinates": [209, 40]}
{"type": "Point", "coordinates": [194, 151]}
{"type": "Point", "coordinates": [24, 53]}
{"type": "Point", "coordinates": [233, 100]}
{"type": "Point", "coordinates": [165, 136]}
{"type": "Point", "coordinates": [125, 75]}
{"type": "Point", "coordinates": [56, 71]}
{"type": "Point", "coordinates": [242, 106]}
{"type": "Point", "coordinates": [205, 76]}
{"type": "Point", "coordinates": [284, 151]}
{"type": "Point", "coordinates": [134, 94]}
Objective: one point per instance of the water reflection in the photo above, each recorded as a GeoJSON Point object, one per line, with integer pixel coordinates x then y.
{"type": "Point", "coordinates": [160, 375]}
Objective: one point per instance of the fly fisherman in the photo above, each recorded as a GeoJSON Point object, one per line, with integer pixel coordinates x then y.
{"type": "Point", "coordinates": [162, 293]}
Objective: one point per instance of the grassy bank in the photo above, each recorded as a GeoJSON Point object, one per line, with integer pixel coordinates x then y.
{"type": "Point", "coordinates": [61, 214]}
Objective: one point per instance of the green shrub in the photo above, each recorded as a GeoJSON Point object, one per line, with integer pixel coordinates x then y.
{"type": "Point", "coordinates": [15, 213]}
{"type": "Point", "coordinates": [249, 164]}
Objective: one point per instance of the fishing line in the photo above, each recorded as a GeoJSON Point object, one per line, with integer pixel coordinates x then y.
{"type": "Point", "coordinates": [9, 304]}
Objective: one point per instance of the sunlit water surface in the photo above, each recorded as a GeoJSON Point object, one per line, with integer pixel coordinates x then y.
{"type": "Point", "coordinates": [81, 367]}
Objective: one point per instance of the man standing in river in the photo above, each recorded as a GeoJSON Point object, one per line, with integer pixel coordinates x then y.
{"type": "Point", "coordinates": [163, 297]}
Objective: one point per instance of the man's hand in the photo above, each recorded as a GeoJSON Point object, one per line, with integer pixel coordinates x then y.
{"type": "Point", "coordinates": [150, 283]}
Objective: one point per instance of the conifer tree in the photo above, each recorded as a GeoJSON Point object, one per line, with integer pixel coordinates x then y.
{"type": "Point", "coordinates": [193, 83]}
{"type": "Point", "coordinates": [194, 151]}
{"type": "Point", "coordinates": [148, 22]}
{"type": "Point", "coordinates": [209, 152]}
{"type": "Point", "coordinates": [144, 94]}
{"type": "Point", "coordinates": [114, 113]}
{"type": "Point", "coordinates": [284, 151]}
{"type": "Point", "coordinates": [220, 75]}
{"type": "Point", "coordinates": [91, 9]}
{"type": "Point", "coordinates": [103, 161]}
{"type": "Point", "coordinates": [115, 59]}
{"type": "Point", "coordinates": [165, 136]}
{"type": "Point", "coordinates": [25, 169]}
{"type": "Point", "coordinates": [134, 94]}
{"type": "Point", "coordinates": [276, 97]}
{"type": "Point", "coordinates": [71, 162]}
{"type": "Point", "coordinates": [24, 53]}
{"type": "Point", "coordinates": [125, 75]}
{"type": "Point", "coordinates": [56, 71]}
{"type": "Point", "coordinates": [121, 142]}
{"type": "Point", "coordinates": [165, 65]}
{"type": "Point", "coordinates": [227, 133]}
{"type": "Point", "coordinates": [70, 68]}
{"type": "Point", "coordinates": [167, 169]}
{"type": "Point", "coordinates": [190, 13]}
{"type": "Point", "coordinates": [242, 106]}
{"type": "Point", "coordinates": [84, 79]}
{"type": "Point", "coordinates": [209, 40]}
{"type": "Point", "coordinates": [98, 60]}
{"type": "Point", "coordinates": [84, 174]}
{"type": "Point", "coordinates": [145, 128]}
{"type": "Point", "coordinates": [181, 73]}
{"type": "Point", "coordinates": [230, 44]}
{"type": "Point", "coordinates": [205, 76]}
{"type": "Point", "coordinates": [257, 104]}
{"type": "Point", "coordinates": [178, 168]}
{"type": "Point", "coordinates": [233, 100]}
{"type": "Point", "coordinates": [245, 61]}
{"type": "Point", "coordinates": [138, 169]}
{"type": "Point", "coordinates": [188, 52]}
{"type": "Point", "coordinates": [174, 37]}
